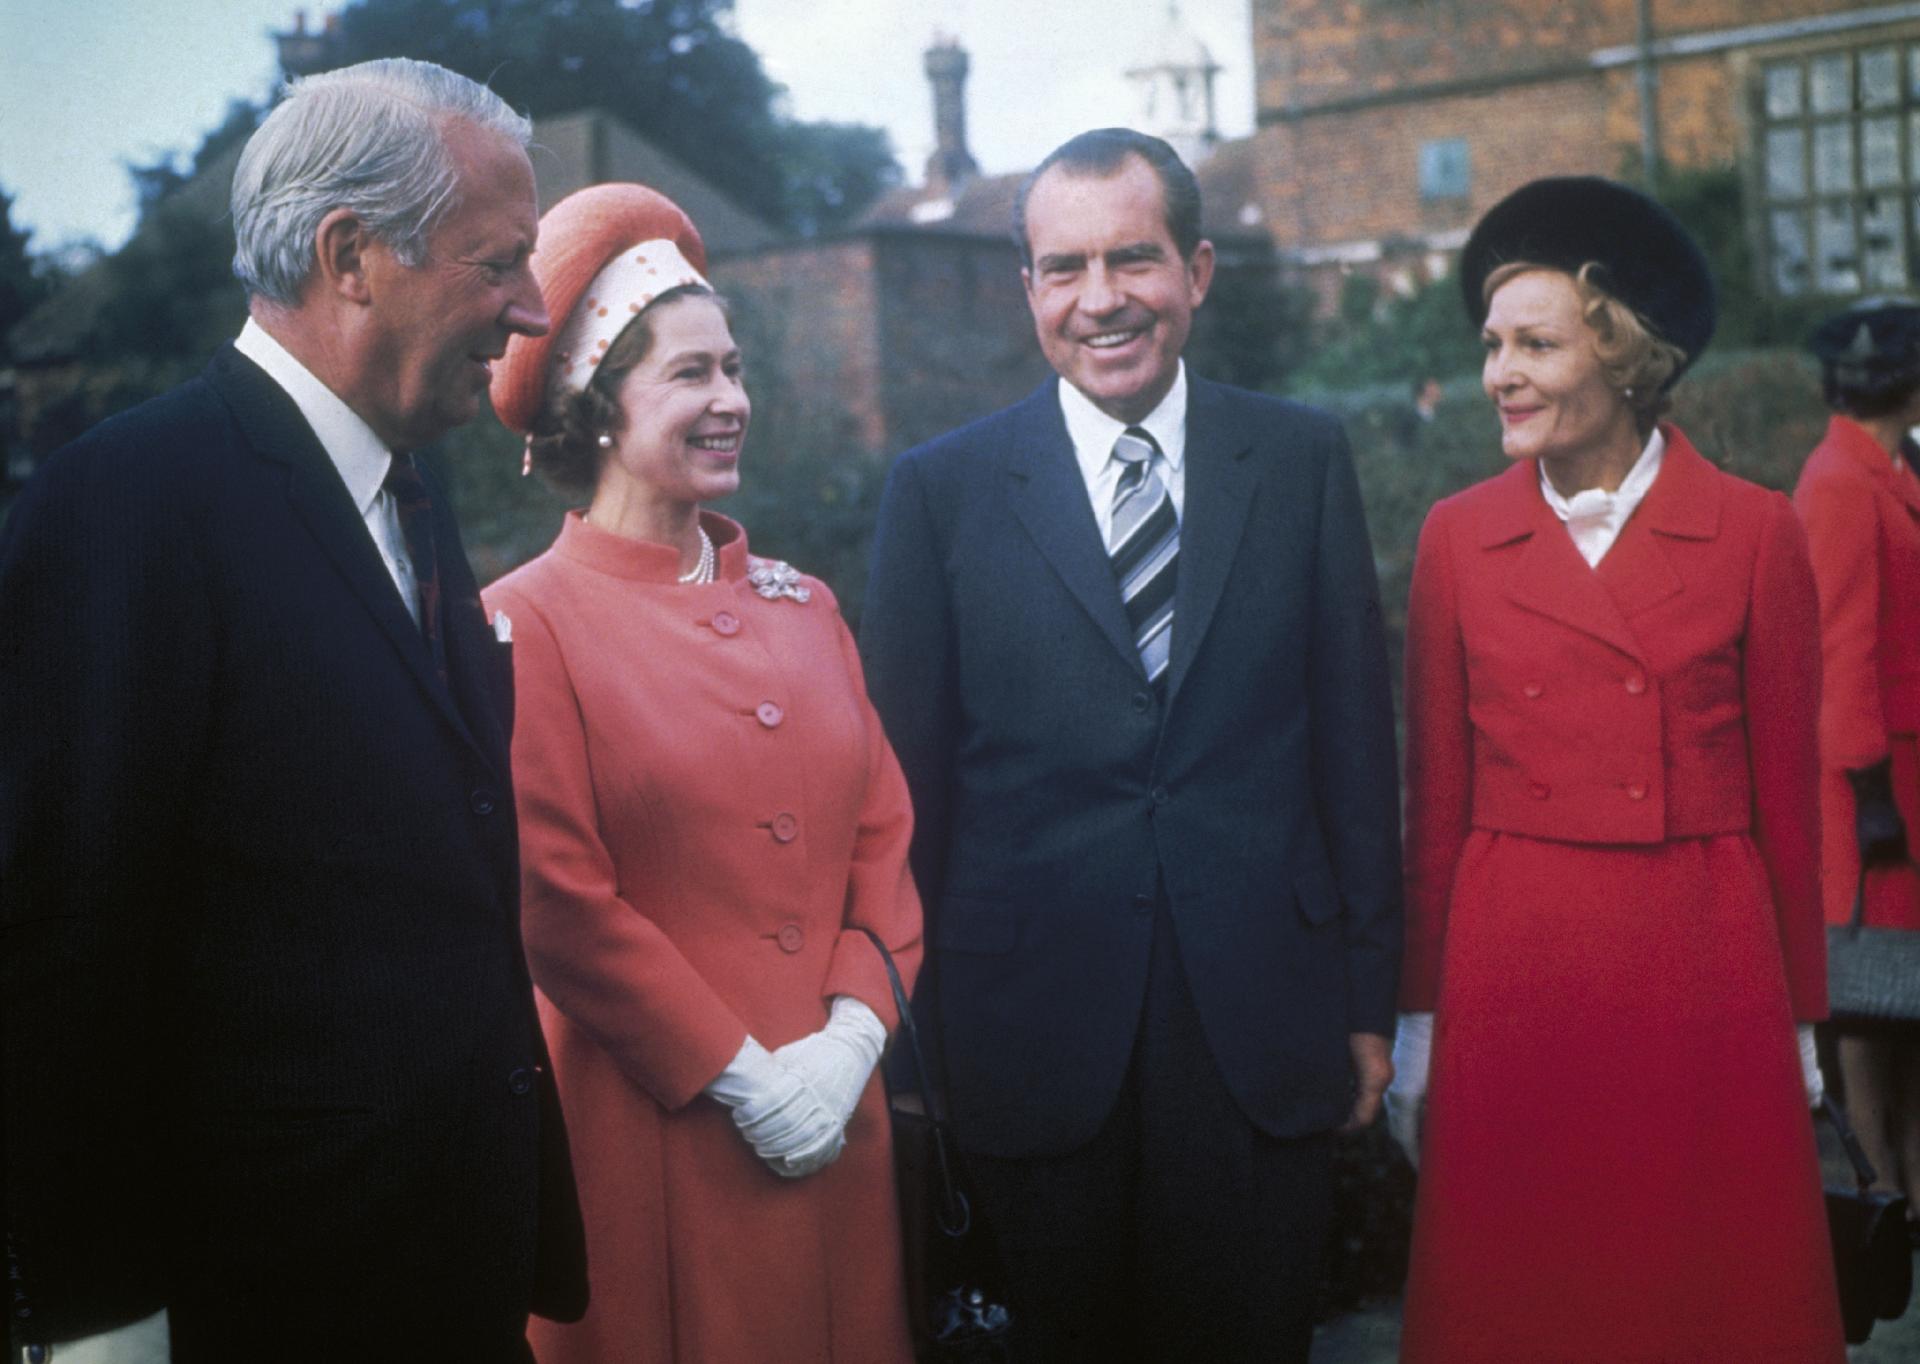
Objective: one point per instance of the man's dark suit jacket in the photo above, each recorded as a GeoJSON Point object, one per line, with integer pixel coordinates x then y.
{"type": "Point", "coordinates": [269, 1029]}
{"type": "Point", "coordinates": [1056, 796]}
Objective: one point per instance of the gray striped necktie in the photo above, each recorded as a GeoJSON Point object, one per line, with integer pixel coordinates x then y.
{"type": "Point", "coordinates": [1144, 545]}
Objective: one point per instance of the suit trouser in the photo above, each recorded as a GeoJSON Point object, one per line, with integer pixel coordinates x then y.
{"type": "Point", "coordinates": [1181, 1232]}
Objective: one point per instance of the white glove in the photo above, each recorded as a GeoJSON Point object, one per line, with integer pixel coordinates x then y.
{"type": "Point", "coordinates": [778, 1113]}
{"type": "Point", "coordinates": [1407, 1095]}
{"type": "Point", "coordinates": [143, 1342]}
{"type": "Point", "coordinates": [838, 1060]}
{"type": "Point", "coordinates": [1810, 1066]}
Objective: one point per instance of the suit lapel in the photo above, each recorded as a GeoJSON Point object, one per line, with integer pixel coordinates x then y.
{"type": "Point", "coordinates": [273, 426]}
{"type": "Point", "coordinates": [1050, 500]}
{"type": "Point", "coordinates": [1220, 481]}
{"type": "Point", "coordinates": [1546, 574]}
{"type": "Point", "coordinates": [1683, 503]}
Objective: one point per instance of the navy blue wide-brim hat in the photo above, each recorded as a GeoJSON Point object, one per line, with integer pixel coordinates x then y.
{"type": "Point", "coordinates": [1874, 344]}
{"type": "Point", "coordinates": [1647, 259]}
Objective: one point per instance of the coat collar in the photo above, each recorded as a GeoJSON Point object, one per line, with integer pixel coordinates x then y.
{"type": "Point", "coordinates": [1546, 575]}
{"type": "Point", "coordinates": [1852, 443]}
{"type": "Point", "coordinates": [278, 434]}
{"type": "Point", "coordinates": [1049, 498]}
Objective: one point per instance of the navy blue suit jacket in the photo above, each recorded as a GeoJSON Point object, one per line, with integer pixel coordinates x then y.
{"type": "Point", "coordinates": [267, 1017]}
{"type": "Point", "coordinates": [1056, 796]}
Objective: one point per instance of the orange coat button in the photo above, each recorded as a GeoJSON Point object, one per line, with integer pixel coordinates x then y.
{"type": "Point", "coordinates": [1539, 790]}
{"type": "Point", "coordinates": [790, 937]}
{"type": "Point", "coordinates": [726, 623]}
{"type": "Point", "coordinates": [1637, 791]}
{"type": "Point", "coordinates": [1636, 684]}
{"type": "Point", "coordinates": [769, 714]}
{"type": "Point", "coordinates": [1531, 691]}
{"type": "Point", "coordinates": [785, 828]}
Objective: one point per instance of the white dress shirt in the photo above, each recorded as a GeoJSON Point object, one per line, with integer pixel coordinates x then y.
{"type": "Point", "coordinates": [1593, 516]}
{"type": "Point", "coordinates": [1093, 433]}
{"type": "Point", "coordinates": [360, 456]}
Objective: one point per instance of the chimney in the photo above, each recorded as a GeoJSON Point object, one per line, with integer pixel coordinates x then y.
{"type": "Point", "coordinates": [951, 163]}
{"type": "Point", "coordinates": [305, 50]}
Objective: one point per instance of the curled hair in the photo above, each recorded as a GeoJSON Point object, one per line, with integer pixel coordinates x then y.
{"type": "Point", "coordinates": [1634, 361]}
{"type": "Point", "coordinates": [1103, 152]}
{"type": "Point", "coordinates": [564, 448]}
{"type": "Point", "coordinates": [369, 138]}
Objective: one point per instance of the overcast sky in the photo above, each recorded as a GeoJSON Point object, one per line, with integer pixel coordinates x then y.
{"type": "Point", "coordinates": [88, 86]}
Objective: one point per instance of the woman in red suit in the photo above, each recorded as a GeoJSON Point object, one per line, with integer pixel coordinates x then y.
{"type": "Point", "coordinates": [1860, 501]}
{"type": "Point", "coordinates": [711, 819]}
{"type": "Point", "coordinates": [1612, 869]}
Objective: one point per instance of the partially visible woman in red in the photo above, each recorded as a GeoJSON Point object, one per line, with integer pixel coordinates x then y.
{"type": "Point", "coordinates": [1860, 501]}
{"type": "Point", "coordinates": [710, 818]}
{"type": "Point", "coordinates": [1612, 863]}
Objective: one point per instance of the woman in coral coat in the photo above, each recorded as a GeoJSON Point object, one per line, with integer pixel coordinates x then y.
{"type": "Point", "coordinates": [1860, 501]}
{"type": "Point", "coordinates": [1613, 896]}
{"type": "Point", "coordinates": [711, 820]}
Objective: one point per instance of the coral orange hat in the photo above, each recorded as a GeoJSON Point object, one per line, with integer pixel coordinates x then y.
{"type": "Point", "coordinates": [578, 237]}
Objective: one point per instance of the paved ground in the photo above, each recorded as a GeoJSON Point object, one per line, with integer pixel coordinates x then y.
{"type": "Point", "coordinates": [1372, 1336]}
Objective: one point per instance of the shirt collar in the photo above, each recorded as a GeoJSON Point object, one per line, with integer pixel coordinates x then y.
{"type": "Point", "coordinates": [360, 456]}
{"type": "Point", "coordinates": [1621, 501]}
{"type": "Point", "coordinates": [1093, 432]}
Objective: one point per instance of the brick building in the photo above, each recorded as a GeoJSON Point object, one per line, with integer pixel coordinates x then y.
{"type": "Point", "coordinates": [1386, 127]}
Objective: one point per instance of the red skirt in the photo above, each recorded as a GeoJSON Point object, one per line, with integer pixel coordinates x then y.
{"type": "Point", "coordinates": [1619, 1162]}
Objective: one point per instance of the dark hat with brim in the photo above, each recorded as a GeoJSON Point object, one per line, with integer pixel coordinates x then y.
{"type": "Point", "coordinates": [1872, 346]}
{"type": "Point", "coordinates": [1647, 259]}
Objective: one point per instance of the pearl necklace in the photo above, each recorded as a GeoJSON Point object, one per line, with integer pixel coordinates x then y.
{"type": "Point", "coordinates": [702, 571]}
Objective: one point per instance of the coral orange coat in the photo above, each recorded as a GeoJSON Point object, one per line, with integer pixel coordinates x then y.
{"type": "Point", "coordinates": [1862, 514]}
{"type": "Point", "coordinates": [709, 815]}
{"type": "Point", "coordinates": [1613, 904]}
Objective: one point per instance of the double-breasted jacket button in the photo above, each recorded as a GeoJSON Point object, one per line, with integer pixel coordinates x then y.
{"type": "Point", "coordinates": [785, 827]}
{"type": "Point", "coordinates": [520, 1081]}
{"type": "Point", "coordinates": [725, 623]}
{"type": "Point", "coordinates": [1539, 790]}
{"type": "Point", "coordinates": [1143, 903]}
{"type": "Point", "coordinates": [791, 938]}
{"type": "Point", "coordinates": [481, 801]}
{"type": "Point", "coordinates": [1161, 795]}
{"type": "Point", "coordinates": [1142, 703]}
{"type": "Point", "coordinates": [769, 714]}
{"type": "Point", "coordinates": [1636, 790]}
{"type": "Point", "coordinates": [1635, 684]}
{"type": "Point", "coordinates": [1531, 691]}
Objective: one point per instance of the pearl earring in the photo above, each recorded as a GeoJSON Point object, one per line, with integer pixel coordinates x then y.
{"type": "Point", "coordinates": [605, 442]}
{"type": "Point", "coordinates": [1627, 392]}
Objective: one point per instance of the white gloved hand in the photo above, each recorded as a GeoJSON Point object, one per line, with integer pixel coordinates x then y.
{"type": "Point", "coordinates": [1407, 1095]}
{"type": "Point", "coordinates": [1810, 1066]}
{"type": "Point", "coordinates": [778, 1113]}
{"type": "Point", "coordinates": [839, 1059]}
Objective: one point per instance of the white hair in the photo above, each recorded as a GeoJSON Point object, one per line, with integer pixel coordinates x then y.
{"type": "Point", "coordinates": [370, 138]}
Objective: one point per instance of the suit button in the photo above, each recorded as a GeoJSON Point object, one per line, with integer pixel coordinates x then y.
{"type": "Point", "coordinates": [1531, 691]}
{"type": "Point", "coordinates": [1142, 703]}
{"type": "Point", "coordinates": [1161, 795]}
{"type": "Point", "coordinates": [1539, 790]}
{"type": "Point", "coordinates": [791, 938]}
{"type": "Point", "coordinates": [726, 623]}
{"type": "Point", "coordinates": [769, 714]}
{"type": "Point", "coordinates": [1143, 904]}
{"type": "Point", "coordinates": [521, 1081]}
{"type": "Point", "coordinates": [481, 801]}
{"type": "Point", "coordinates": [1637, 791]}
{"type": "Point", "coordinates": [1635, 685]}
{"type": "Point", "coordinates": [785, 828]}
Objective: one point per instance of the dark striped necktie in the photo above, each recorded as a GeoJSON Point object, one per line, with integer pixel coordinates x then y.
{"type": "Point", "coordinates": [415, 508]}
{"type": "Point", "coordinates": [1144, 544]}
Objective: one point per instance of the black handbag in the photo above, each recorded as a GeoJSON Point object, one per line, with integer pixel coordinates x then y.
{"type": "Point", "coordinates": [1873, 974]}
{"type": "Point", "coordinates": [956, 1288]}
{"type": "Point", "coordinates": [1871, 1255]}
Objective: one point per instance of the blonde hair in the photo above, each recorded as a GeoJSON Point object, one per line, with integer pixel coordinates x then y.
{"type": "Point", "coordinates": [1635, 363]}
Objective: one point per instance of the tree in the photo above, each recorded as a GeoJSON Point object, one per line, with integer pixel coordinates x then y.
{"type": "Point", "coordinates": [668, 68]}
{"type": "Point", "coordinates": [22, 284]}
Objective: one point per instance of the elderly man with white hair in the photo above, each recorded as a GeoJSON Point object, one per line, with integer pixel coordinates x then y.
{"type": "Point", "coordinates": [274, 1083]}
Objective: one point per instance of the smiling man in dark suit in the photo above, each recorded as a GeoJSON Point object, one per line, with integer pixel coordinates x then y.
{"type": "Point", "coordinates": [274, 1083]}
{"type": "Point", "coordinates": [1126, 639]}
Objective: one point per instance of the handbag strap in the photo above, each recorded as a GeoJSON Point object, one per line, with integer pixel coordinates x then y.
{"type": "Point", "coordinates": [954, 1214]}
{"type": "Point", "coordinates": [1863, 1169]}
